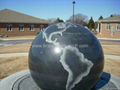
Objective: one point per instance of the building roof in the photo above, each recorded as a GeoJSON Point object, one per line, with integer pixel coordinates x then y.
{"type": "Point", "coordinates": [10, 16]}
{"type": "Point", "coordinates": [110, 19]}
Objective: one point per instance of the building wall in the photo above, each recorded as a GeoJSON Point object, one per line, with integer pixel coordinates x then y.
{"type": "Point", "coordinates": [113, 32]}
{"type": "Point", "coordinates": [15, 29]}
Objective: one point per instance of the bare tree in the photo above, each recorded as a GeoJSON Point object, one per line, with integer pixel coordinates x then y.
{"type": "Point", "coordinates": [55, 20]}
{"type": "Point", "coordinates": [58, 20]}
{"type": "Point", "coordinates": [79, 19]}
{"type": "Point", "coordinates": [51, 20]}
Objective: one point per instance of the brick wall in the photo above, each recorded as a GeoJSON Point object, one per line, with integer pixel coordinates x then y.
{"type": "Point", "coordinates": [15, 29]}
{"type": "Point", "coordinates": [109, 33]}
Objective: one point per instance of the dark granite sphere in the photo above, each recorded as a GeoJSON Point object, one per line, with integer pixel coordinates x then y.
{"type": "Point", "coordinates": [66, 56]}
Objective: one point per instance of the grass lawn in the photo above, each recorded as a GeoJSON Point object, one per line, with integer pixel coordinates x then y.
{"type": "Point", "coordinates": [112, 66]}
{"type": "Point", "coordinates": [11, 65]}
{"type": "Point", "coordinates": [112, 48]}
{"type": "Point", "coordinates": [15, 48]}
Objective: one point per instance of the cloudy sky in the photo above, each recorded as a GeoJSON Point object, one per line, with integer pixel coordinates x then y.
{"type": "Point", "coordinates": [63, 8]}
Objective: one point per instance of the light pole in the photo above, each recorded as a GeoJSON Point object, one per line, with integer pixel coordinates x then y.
{"type": "Point", "coordinates": [73, 9]}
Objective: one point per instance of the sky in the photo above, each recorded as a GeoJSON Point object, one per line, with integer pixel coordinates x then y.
{"type": "Point", "coordinates": [47, 9]}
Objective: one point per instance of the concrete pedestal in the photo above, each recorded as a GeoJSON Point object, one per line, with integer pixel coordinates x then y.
{"type": "Point", "coordinates": [23, 81]}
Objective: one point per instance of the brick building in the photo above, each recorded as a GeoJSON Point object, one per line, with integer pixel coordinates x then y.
{"type": "Point", "coordinates": [14, 23]}
{"type": "Point", "coordinates": [109, 27]}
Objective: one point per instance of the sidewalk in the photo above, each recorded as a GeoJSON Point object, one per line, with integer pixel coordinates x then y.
{"type": "Point", "coordinates": [109, 39]}
{"type": "Point", "coordinates": [18, 38]}
{"type": "Point", "coordinates": [13, 55]}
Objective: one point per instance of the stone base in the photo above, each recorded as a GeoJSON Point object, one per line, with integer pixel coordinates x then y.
{"type": "Point", "coordinates": [23, 81]}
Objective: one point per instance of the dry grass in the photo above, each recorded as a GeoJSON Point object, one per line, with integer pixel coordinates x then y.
{"type": "Point", "coordinates": [108, 48]}
{"type": "Point", "coordinates": [111, 49]}
{"type": "Point", "coordinates": [112, 66]}
{"type": "Point", "coordinates": [109, 43]}
{"type": "Point", "coordinates": [15, 48]}
{"type": "Point", "coordinates": [11, 65]}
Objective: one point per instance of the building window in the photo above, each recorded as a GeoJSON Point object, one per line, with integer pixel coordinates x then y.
{"type": "Point", "coordinates": [113, 30]}
{"type": "Point", "coordinates": [21, 27]}
{"type": "Point", "coordinates": [9, 27]}
{"type": "Point", "coordinates": [41, 27]}
{"type": "Point", "coordinates": [108, 26]}
{"type": "Point", "coordinates": [118, 27]}
{"type": "Point", "coordinates": [32, 27]}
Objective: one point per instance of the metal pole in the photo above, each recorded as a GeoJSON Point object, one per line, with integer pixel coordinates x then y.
{"type": "Point", "coordinates": [73, 9]}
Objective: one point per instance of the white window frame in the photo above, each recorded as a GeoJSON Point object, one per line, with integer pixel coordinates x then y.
{"type": "Point", "coordinates": [118, 27]}
{"type": "Point", "coordinates": [42, 27]}
{"type": "Point", "coordinates": [21, 27]}
{"type": "Point", "coordinates": [31, 28]}
{"type": "Point", "coordinates": [108, 27]}
{"type": "Point", "coordinates": [9, 27]}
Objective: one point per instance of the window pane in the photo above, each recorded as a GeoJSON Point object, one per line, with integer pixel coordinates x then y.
{"type": "Point", "coordinates": [118, 27]}
{"type": "Point", "coordinates": [9, 27]}
{"type": "Point", "coordinates": [108, 26]}
{"type": "Point", "coordinates": [41, 27]}
{"type": "Point", "coordinates": [32, 27]}
{"type": "Point", "coordinates": [21, 27]}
